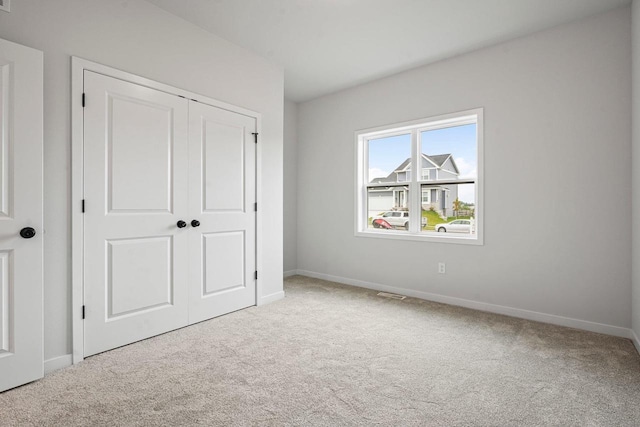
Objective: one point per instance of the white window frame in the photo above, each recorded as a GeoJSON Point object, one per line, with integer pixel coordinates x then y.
{"type": "Point", "coordinates": [428, 178]}
{"type": "Point", "coordinates": [414, 128]}
{"type": "Point", "coordinates": [428, 193]}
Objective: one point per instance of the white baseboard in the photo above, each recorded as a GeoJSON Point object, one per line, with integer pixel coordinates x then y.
{"type": "Point", "coordinates": [634, 339]}
{"type": "Point", "coordinates": [290, 273]}
{"type": "Point", "coordinates": [56, 363]}
{"type": "Point", "coordinates": [482, 306]}
{"type": "Point", "coordinates": [267, 299]}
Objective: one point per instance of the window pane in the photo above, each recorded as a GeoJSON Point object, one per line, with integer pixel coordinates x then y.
{"type": "Point", "coordinates": [449, 153]}
{"type": "Point", "coordinates": [389, 159]}
{"type": "Point", "coordinates": [388, 208]}
{"type": "Point", "coordinates": [447, 204]}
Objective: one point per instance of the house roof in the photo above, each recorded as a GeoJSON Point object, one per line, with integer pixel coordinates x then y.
{"type": "Point", "coordinates": [437, 159]}
{"type": "Point", "coordinates": [403, 165]}
{"type": "Point", "coordinates": [440, 159]}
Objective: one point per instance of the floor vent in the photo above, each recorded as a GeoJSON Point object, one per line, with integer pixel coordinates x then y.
{"type": "Point", "coordinates": [392, 296]}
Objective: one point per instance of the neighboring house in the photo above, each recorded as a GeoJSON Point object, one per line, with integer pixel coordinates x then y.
{"type": "Point", "coordinates": [437, 197]}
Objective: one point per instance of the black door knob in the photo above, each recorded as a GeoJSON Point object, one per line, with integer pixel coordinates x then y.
{"type": "Point", "coordinates": [27, 232]}
{"type": "Point", "coordinates": [195, 223]}
{"type": "Point", "coordinates": [181, 224]}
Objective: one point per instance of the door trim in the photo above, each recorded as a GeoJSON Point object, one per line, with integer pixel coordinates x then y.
{"type": "Point", "coordinates": [78, 67]}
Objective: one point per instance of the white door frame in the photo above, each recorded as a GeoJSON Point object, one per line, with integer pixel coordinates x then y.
{"type": "Point", "coordinates": [78, 66]}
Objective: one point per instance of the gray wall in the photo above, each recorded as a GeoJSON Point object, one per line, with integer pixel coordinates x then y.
{"type": "Point", "coordinates": [560, 98]}
{"type": "Point", "coordinates": [290, 186]}
{"type": "Point", "coordinates": [636, 173]}
{"type": "Point", "coordinates": [139, 38]}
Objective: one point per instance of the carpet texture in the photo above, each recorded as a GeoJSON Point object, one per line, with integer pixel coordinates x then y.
{"type": "Point", "coordinates": [334, 355]}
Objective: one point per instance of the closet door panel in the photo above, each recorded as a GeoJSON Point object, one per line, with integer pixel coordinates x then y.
{"type": "Point", "coordinates": [136, 267]}
{"type": "Point", "coordinates": [223, 168]}
{"type": "Point", "coordinates": [222, 194]}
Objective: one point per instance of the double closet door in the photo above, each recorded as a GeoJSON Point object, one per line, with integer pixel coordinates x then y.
{"type": "Point", "coordinates": [169, 217]}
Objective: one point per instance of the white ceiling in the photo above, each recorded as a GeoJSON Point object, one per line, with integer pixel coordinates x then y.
{"type": "Point", "coordinates": [328, 45]}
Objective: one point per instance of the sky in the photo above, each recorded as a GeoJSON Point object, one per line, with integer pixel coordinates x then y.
{"type": "Point", "coordinates": [386, 154]}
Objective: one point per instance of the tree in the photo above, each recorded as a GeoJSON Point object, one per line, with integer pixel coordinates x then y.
{"type": "Point", "coordinates": [457, 204]}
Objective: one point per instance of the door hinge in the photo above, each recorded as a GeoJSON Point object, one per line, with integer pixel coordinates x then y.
{"type": "Point", "coordinates": [255, 135]}
{"type": "Point", "coordinates": [83, 99]}
{"type": "Point", "coordinates": [256, 275]}
{"type": "Point", "coordinates": [82, 205]}
{"type": "Point", "coordinates": [255, 206]}
{"type": "Point", "coordinates": [83, 312]}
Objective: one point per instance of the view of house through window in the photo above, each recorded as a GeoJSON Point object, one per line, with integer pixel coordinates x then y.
{"type": "Point", "coordinates": [439, 199]}
{"type": "Point", "coordinates": [389, 158]}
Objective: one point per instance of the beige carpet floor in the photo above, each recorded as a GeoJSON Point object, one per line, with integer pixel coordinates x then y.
{"type": "Point", "coordinates": [333, 355]}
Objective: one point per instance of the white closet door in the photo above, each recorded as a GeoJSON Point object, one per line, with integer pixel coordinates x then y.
{"type": "Point", "coordinates": [222, 194]}
{"type": "Point", "coordinates": [136, 271]}
{"type": "Point", "coordinates": [21, 310]}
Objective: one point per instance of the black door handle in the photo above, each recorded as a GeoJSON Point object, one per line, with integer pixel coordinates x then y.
{"type": "Point", "coordinates": [181, 224]}
{"type": "Point", "coordinates": [27, 232]}
{"type": "Point", "coordinates": [195, 223]}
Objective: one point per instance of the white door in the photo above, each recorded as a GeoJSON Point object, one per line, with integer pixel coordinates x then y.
{"type": "Point", "coordinates": [222, 195]}
{"type": "Point", "coordinates": [21, 302]}
{"type": "Point", "coordinates": [170, 221]}
{"type": "Point", "coordinates": [135, 190]}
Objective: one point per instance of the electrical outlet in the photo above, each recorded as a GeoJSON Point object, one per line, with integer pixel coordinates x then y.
{"type": "Point", "coordinates": [441, 268]}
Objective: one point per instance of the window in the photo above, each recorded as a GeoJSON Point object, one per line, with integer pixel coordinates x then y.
{"type": "Point", "coordinates": [404, 176]}
{"type": "Point", "coordinates": [426, 196]}
{"type": "Point", "coordinates": [428, 174]}
{"type": "Point", "coordinates": [442, 201]}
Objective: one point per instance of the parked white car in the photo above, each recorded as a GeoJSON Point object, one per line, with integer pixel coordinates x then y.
{"type": "Point", "coordinates": [456, 226]}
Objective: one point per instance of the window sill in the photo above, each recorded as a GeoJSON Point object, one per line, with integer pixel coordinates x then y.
{"type": "Point", "coordinates": [456, 238]}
